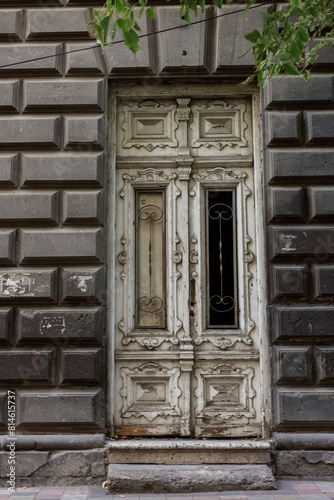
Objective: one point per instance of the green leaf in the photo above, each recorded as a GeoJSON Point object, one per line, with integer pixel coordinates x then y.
{"type": "Point", "coordinates": [291, 69]}
{"type": "Point", "coordinates": [151, 13]}
{"type": "Point", "coordinates": [131, 40]}
{"type": "Point", "coordinates": [253, 36]}
{"type": "Point", "coordinates": [120, 8]}
{"type": "Point", "coordinates": [202, 4]}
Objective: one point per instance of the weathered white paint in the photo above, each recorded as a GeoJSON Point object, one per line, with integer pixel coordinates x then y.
{"type": "Point", "coordinates": [164, 378]}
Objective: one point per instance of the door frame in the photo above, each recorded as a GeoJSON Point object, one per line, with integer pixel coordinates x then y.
{"type": "Point", "coordinates": [206, 90]}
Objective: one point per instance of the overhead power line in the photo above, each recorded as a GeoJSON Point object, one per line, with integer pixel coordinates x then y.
{"type": "Point", "coordinates": [152, 33]}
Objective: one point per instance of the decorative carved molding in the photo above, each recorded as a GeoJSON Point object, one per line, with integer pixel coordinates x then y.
{"type": "Point", "coordinates": [149, 338]}
{"type": "Point", "coordinates": [150, 391]}
{"type": "Point", "coordinates": [183, 110]}
{"type": "Point", "coordinates": [193, 256]}
{"type": "Point", "coordinates": [224, 392]}
{"type": "Point", "coordinates": [218, 124]}
{"type": "Point", "coordinates": [149, 125]}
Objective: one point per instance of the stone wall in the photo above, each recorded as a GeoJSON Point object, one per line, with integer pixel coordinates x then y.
{"type": "Point", "coordinates": [53, 210]}
{"type": "Point", "coordinates": [52, 250]}
{"type": "Point", "coordinates": [299, 159]}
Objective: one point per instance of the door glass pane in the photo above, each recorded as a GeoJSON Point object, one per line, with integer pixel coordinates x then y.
{"type": "Point", "coordinates": [150, 260]}
{"type": "Point", "coordinates": [221, 260]}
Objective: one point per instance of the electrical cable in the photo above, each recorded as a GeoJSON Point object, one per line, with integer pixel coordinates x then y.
{"type": "Point", "coordinates": [152, 33]}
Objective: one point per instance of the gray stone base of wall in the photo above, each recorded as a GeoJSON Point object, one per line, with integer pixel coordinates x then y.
{"type": "Point", "coordinates": [42, 468]}
{"type": "Point", "coordinates": [56, 468]}
{"type": "Point", "coordinates": [308, 455]}
{"type": "Point", "coordinates": [54, 459]}
{"type": "Point", "coordinates": [304, 464]}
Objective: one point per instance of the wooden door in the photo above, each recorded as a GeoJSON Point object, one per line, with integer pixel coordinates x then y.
{"type": "Point", "coordinates": [187, 357]}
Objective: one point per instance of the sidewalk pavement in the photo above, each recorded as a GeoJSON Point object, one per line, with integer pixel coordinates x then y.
{"type": "Point", "coordinates": [287, 490]}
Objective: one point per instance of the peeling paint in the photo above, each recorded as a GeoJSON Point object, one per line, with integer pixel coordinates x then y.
{"type": "Point", "coordinates": [80, 281]}
{"type": "Point", "coordinates": [13, 284]}
{"type": "Point", "coordinates": [287, 242]}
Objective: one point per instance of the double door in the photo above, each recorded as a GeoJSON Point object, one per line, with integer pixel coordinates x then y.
{"type": "Point", "coordinates": [187, 359]}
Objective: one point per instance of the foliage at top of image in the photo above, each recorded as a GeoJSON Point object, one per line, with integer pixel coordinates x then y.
{"type": "Point", "coordinates": [289, 42]}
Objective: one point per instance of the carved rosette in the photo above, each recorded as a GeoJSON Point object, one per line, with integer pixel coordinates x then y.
{"type": "Point", "coordinates": [150, 391]}
{"type": "Point", "coordinates": [224, 392]}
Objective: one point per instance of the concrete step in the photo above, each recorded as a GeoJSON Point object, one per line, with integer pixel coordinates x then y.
{"type": "Point", "coordinates": [189, 451]}
{"type": "Point", "coordinates": [138, 478]}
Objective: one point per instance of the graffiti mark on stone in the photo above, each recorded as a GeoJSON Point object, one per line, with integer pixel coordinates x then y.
{"type": "Point", "coordinates": [12, 284]}
{"type": "Point", "coordinates": [287, 242]}
{"type": "Point", "coordinates": [52, 324]}
{"type": "Point", "coordinates": [80, 281]}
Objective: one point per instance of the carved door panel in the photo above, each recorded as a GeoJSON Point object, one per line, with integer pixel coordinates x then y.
{"type": "Point", "coordinates": [186, 336]}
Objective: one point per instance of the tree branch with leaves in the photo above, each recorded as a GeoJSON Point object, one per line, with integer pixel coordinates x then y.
{"type": "Point", "coordinates": [289, 42]}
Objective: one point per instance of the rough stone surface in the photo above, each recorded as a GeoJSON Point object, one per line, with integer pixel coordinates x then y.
{"type": "Point", "coordinates": [325, 365]}
{"type": "Point", "coordinates": [7, 247]}
{"type": "Point", "coordinates": [82, 367]}
{"type": "Point", "coordinates": [82, 285]}
{"type": "Point", "coordinates": [284, 128]}
{"type": "Point", "coordinates": [188, 53]}
{"type": "Point", "coordinates": [45, 442]}
{"type": "Point", "coordinates": [9, 95]}
{"type": "Point", "coordinates": [306, 240]}
{"type": "Point", "coordinates": [323, 282]}
{"type": "Point", "coordinates": [30, 132]}
{"type": "Point", "coordinates": [232, 44]}
{"type": "Point", "coordinates": [321, 203]}
{"type": "Point", "coordinates": [11, 28]}
{"type": "Point", "coordinates": [307, 408]}
{"type": "Point", "coordinates": [286, 204]}
{"type": "Point", "coordinates": [57, 410]}
{"type": "Point", "coordinates": [189, 452]}
{"type": "Point", "coordinates": [66, 325]}
{"type": "Point", "coordinates": [18, 284]}
{"type": "Point", "coordinates": [294, 365]}
{"type": "Point", "coordinates": [320, 127]}
{"type": "Point", "coordinates": [306, 464]}
{"type": "Point", "coordinates": [29, 208]}
{"type": "Point", "coordinates": [24, 366]}
{"type": "Point", "coordinates": [296, 90]}
{"type": "Point", "coordinates": [25, 52]}
{"type": "Point", "coordinates": [84, 62]}
{"type": "Point", "coordinates": [285, 165]}
{"type": "Point", "coordinates": [123, 478]}
{"type": "Point", "coordinates": [82, 207]}
{"type": "Point", "coordinates": [57, 24]}
{"type": "Point", "coordinates": [62, 245]}
{"type": "Point", "coordinates": [64, 94]}
{"type": "Point", "coordinates": [307, 441]}
{"type": "Point", "coordinates": [39, 468]}
{"type": "Point", "coordinates": [68, 169]}
{"type": "Point", "coordinates": [6, 321]}
{"type": "Point", "coordinates": [82, 130]}
{"type": "Point", "coordinates": [298, 322]}
{"type": "Point", "coordinates": [8, 170]}
{"type": "Point", "coordinates": [289, 282]}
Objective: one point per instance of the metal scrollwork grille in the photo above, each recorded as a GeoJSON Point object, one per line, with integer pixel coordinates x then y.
{"type": "Point", "coordinates": [221, 259]}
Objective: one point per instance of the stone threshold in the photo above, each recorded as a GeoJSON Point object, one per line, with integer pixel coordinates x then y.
{"type": "Point", "coordinates": [189, 451]}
